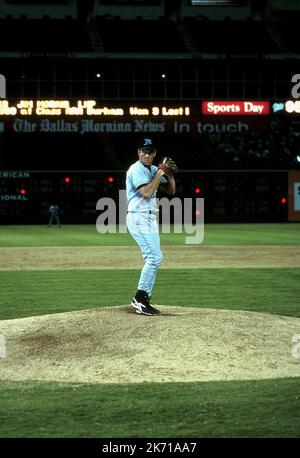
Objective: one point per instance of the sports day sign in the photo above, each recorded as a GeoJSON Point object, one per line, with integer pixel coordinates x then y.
{"type": "Point", "coordinates": [248, 108]}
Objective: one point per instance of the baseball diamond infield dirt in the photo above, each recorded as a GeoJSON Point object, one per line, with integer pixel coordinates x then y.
{"type": "Point", "coordinates": [113, 345]}
{"type": "Point", "coordinates": [99, 257]}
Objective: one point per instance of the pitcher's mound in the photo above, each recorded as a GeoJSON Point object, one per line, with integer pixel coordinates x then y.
{"type": "Point", "coordinates": [114, 345]}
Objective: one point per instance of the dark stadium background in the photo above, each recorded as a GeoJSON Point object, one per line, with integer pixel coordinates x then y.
{"type": "Point", "coordinates": [153, 53]}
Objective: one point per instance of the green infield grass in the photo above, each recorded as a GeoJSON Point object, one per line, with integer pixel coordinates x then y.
{"type": "Point", "coordinates": [265, 408]}
{"type": "Point", "coordinates": [31, 293]}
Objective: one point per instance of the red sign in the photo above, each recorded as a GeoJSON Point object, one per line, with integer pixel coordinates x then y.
{"type": "Point", "coordinates": [247, 107]}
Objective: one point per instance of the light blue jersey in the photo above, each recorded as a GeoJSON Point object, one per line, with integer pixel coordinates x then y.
{"type": "Point", "coordinates": [137, 176]}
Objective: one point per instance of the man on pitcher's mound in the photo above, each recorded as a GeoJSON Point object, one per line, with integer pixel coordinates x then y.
{"type": "Point", "coordinates": [142, 181]}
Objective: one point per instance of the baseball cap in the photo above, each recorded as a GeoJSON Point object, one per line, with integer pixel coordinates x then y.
{"type": "Point", "coordinates": [146, 143]}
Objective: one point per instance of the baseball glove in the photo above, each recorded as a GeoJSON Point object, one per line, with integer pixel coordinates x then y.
{"type": "Point", "coordinates": [168, 166]}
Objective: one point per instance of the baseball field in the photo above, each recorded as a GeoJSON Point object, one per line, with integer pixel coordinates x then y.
{"type": "Point", "coordinates": [222, 360]}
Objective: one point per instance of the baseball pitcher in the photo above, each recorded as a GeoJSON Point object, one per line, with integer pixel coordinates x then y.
{"type": "Point", "coordinates": [142, 181]}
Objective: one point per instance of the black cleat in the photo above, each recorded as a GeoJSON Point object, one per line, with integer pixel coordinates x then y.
{"type": "Point", "coordinates": [141, 308]}
{"type": "Point", "coordinates": [141, 304]}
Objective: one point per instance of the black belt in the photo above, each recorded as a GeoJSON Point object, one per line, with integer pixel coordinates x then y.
{"type": "Point", "coordinates": [151, 212]}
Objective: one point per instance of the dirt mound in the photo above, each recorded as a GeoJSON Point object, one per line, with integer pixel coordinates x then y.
{"type": "Point", "coordinates": [113, 345]}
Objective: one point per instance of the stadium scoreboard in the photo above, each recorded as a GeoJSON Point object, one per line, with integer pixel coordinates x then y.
{"type": "Point", "coordinates": [228, 195]}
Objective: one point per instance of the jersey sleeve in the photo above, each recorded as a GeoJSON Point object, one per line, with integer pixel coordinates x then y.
{"type": "Point", "coordinates": [140, 177]}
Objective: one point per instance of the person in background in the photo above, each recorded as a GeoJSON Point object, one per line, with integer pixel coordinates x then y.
{"type": "Point", "coordinates": [54, 214]}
